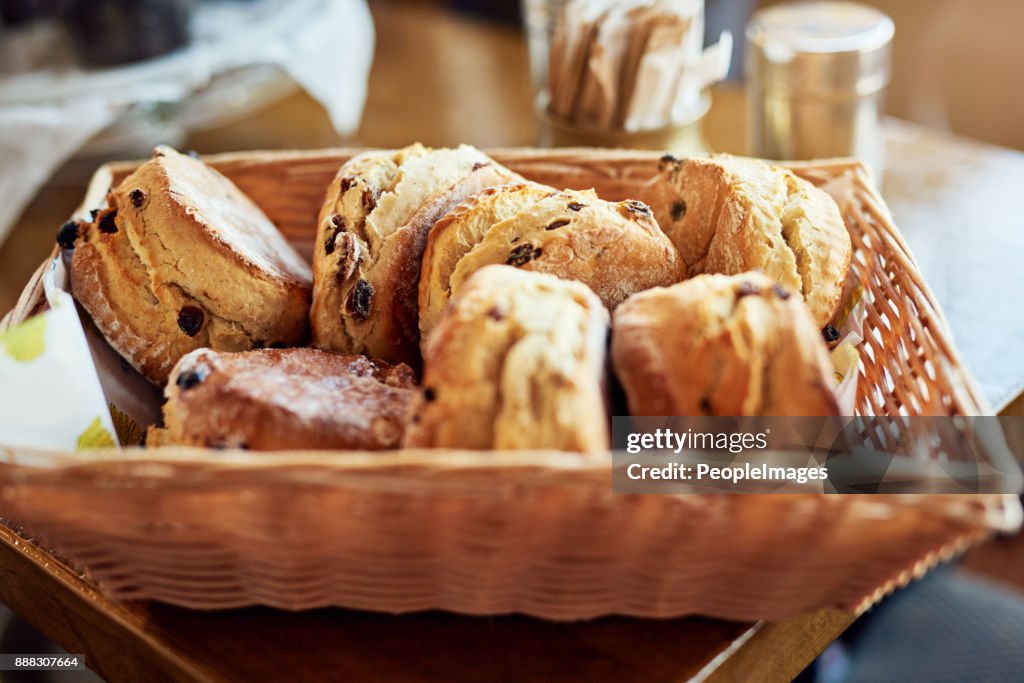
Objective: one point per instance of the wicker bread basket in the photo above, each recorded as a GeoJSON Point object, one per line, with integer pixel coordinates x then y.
{"type": "Point", "coordinates": [495, 532]}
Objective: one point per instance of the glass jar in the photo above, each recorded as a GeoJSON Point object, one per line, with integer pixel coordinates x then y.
{"type": "Point", "coordinates": [682, 133]}
{"type": "Point", "coordinates": [682, 139]}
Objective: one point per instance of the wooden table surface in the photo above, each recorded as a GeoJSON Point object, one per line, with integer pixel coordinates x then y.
{"type": "Point", "coordinates": [155, 642]}
{"type": "Point", "coordinates": [441, 80]}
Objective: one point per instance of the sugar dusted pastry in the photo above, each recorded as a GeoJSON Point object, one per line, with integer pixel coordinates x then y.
{"type": "Point", "coordinates": [274, 399]}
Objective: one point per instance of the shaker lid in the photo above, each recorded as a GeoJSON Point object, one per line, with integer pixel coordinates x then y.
{"type": "Point", "coordinates": [820, 48]}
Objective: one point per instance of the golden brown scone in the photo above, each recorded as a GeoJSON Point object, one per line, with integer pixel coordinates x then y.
{"type": "Point", "coordinates": [616, 249]}
{"type": "Point", "coordinates": [737, 214]}
{"type": "Point", "coordinates": [181, 259]}
{"type": "Point", "coordinates": [278, 399]}
{"type": "Point", "coordinates": [516, 362]}
{"type": "Point", "coordinates": [372, 233]}
{"type": "Point", "coordinates": [457, 233]}
{"type": "Point", "coordinates": [736, 345]}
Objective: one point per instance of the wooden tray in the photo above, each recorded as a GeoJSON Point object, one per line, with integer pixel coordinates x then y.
{"type": "Point", "coordinates": [487, 533]}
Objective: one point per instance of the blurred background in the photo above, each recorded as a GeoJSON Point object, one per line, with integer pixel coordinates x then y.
{"type": "Point", "coordinates": [86, 81]}
{"type": "Point", "coordinates": [263, 74]}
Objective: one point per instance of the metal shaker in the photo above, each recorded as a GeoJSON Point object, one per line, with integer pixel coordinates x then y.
{"type": "Point", "coordinates": [816, 76]}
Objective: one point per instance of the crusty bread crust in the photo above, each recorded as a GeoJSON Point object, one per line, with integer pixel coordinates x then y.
{"type": "Point", "coordinates": [371, 237]}
{"type": "Point", "coordinates": [517, 361]}
{"type": "Point", "coordinates": [739, 214]}
{"type": "Point", "coordinates": [176, 234]}
{"type": "Point", "coordinates": [722, 345]}
{"type": "Point", "coordinates": [616, 249]}
{"type": "Point", "coordinates": [457, 233]}
{"type": "Point", "coordinates": [278, 399]}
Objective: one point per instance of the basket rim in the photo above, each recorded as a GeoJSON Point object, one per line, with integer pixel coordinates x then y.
{"type": "Point", "coordinates": [192, 468]}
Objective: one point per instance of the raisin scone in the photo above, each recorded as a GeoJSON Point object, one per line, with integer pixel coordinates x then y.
{"type": "Point", "coordinates": [457, 233]}
{"type": "Point", "coordinates": [372, 232]}
{"type": "Point", "coordinates": [278, 399]}
{"type": "Point", "coordinates": [180, 259]}
{"type": "Point", "coordinates": [736, 345]}
{"type": "Point", "coordinates": [737, 214]}
{"type": "Point", "coordinates": [516, 362]}
{"type": "Point", "coordinates": [616, 249]}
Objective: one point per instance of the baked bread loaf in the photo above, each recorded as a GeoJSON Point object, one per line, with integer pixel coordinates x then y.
{"type": "Point", "coordinates": [737, 345]}
{"type": "Point", "coordinates": [180, 259]}
{"type": "Point", "coordinates": [276, 399]}
{"type": "Point", "coordinates": [736, 214]}
{"type": "Point", "coordinates": [370, 241]}
{"type": "Point", "coordinates": [616, 249]}
{"type": "Point", "coordinates": [516, 362]}
{"type": "Point", "coordinates": [457, 233]}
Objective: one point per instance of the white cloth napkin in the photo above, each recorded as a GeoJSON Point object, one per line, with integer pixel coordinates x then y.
{"type": "Point", "coordinates": [35, 139]}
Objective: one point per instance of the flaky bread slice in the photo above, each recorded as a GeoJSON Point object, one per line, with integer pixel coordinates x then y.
{"type": "Point", "coordinates": [517, 361]}
{"type": "Point", "coordinates": [738, 214]}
